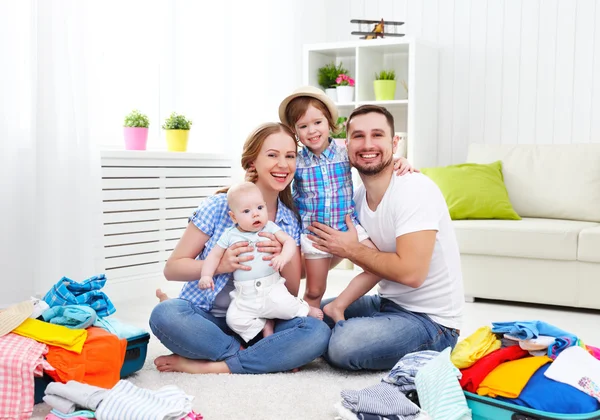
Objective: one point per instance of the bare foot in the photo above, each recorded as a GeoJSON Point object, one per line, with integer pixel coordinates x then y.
{"type": "Point", "coordinates": [162, 296]}
{"type": "Point", "coordinates": [176, 363]}
{"type": "Point", "coordinates": [269, 328]}
{"type": "Point", "coordinates": [334, 312]}
{"type": "Point", "coordinates": [315, 312]}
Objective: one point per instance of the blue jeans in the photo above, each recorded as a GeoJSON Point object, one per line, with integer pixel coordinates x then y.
{"type": "Point", "coordinates": [377, 333]}
{"type": "Point", "coordinates": [190, 332]}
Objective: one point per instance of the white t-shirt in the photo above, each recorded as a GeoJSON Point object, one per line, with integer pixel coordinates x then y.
{"type": "Point", "coordinates": [413, 203]}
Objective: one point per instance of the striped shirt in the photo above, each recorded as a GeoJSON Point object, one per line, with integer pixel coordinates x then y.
{"type": "Point", "coordinates": [322, 187]}
{"type": "Point", "coordinates": [212, 218]}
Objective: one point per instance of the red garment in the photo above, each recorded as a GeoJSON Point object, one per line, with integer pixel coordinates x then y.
{"type": "Point", "coordinates": [474, 375]}
{"type": "Point", "coordinates": [21, 359]}
{"type": "Point", "coordinates": [99, 363]}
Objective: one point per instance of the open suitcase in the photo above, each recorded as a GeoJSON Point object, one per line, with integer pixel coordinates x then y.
{"type": "Point", "coordinates": [135, 356]}
{"type": "Point", "coordinates": [486, 408]}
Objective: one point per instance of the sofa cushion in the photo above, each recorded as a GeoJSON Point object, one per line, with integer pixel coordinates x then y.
{"type": "Point", "coordinates": [473, 191]}
{"type": "Point", "coordinates": [589, 245]}
{"type": "Point", "coordinates": [526, 238]}
{"type": "Point", "coordinates": [550, 181]}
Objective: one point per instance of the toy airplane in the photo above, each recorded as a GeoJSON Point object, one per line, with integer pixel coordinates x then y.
{"type": "Point", "coordinates": [378, 30]}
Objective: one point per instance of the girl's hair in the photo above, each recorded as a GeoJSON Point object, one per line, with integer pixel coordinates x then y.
{"type": "Point", "coordinates": [252, 147]}
{"type": "Point", "coordinates": [297, 108]}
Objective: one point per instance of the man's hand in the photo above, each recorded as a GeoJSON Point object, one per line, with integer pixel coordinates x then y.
{"type": "Point", "coordinates": [333, 241]}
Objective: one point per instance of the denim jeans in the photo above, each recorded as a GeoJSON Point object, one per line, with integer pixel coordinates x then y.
{"type": "Point", "coordinates": [190, 332]}
{"type": "Point", "coordinates": [377, 333]}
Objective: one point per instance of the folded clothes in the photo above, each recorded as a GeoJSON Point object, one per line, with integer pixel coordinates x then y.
{"type": "Point", "coordinates": [70, 292]}
{"type": "Point", "coordinates": [524, 330]}
{"type": "Point", "coordinates": [80, 395]}
{"type": "Point", "coordinates": [85, 414]}
{"type": "Point", "coordinates": [53, 335]}
{"type": "Point", "coordinates": [474, 347]}
{"type": "Point", "coordinates": [71, 316]}
{"type": "Point", "coordinates": [118, 328]}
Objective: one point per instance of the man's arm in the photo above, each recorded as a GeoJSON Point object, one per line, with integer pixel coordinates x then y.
{"type": "Point", "coordinates": [409, 265]}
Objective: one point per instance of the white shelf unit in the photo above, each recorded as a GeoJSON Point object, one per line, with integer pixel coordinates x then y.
{"type": "Point", "coordinates": [414, 61]}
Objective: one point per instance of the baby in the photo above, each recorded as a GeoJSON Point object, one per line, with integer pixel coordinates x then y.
{"type": "Point", "coordinates": [260, 294]}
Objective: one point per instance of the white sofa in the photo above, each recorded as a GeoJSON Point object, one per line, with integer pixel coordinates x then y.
{"type": "Point", "coordinates": [552, 255]}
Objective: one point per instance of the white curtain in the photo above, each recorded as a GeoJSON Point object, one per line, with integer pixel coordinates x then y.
{"type": "Point", "coordinates": [50, 171]}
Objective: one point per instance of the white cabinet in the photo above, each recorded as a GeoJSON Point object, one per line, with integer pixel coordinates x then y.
{"type": "Point", "coordinates": [414, 61]}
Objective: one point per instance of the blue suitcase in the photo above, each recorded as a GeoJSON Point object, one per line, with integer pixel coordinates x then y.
{"type": "Point", "coordinates": [486, 408]}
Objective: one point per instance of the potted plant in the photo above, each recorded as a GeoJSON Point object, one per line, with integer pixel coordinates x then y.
{"type": "Point", "coordinates": [326, 76]}
{"type": "Point", "coordinates": [177, 130]}
{"type": "Point", "coordinates": [384, 85]}
{"type": "Point", "coordinates": [344, 86]}
{"type": "Point", "coordinates": [135, 130]}
{"type": "Point", "coordinates": [340, 136]}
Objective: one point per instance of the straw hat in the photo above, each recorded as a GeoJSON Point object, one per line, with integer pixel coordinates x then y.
{"type": "Point", "coordinates": [313, 92]}
{"type": "Point", "coordinates": [13, 316]}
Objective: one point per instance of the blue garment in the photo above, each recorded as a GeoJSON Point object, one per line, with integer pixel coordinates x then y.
{"type": "Point", "coordinates": [70, 292]}
{"type": "Point", "coordinates": [191, 332]}
{"type": "Point", "coordinates": [404, 372]}
{"type": "Point", "coordinates": [545, 394]}
{"type": "Point", "coordinates": [212, 218]}
{"type": "Point", "coordinates": [259, 267]}
{"type": "Point", "coordinates": [377, 333]}
{"type": "Point", "coordinates": [71, 316]}
{"type": "Point", "coordinates": [81, 413]}
{"type": "Point", "coordinates": [524, 330]}
{"type": "Point", "coordinates": [119, 328]}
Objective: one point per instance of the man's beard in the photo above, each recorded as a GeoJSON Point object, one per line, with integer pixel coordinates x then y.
{"type": "Point", "coordinates": [373, 170]}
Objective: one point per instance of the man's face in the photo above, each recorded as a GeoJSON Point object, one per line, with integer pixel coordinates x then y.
{"type": "Point", "coordinates": [370, 143]}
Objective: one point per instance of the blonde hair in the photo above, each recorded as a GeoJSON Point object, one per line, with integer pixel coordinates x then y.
{"type": "Point", "coordinates": [250, 153]}
{"type": "Point", "coordinates": [298, 107]}
{"type": "Point", "coordinates": [237, 191]}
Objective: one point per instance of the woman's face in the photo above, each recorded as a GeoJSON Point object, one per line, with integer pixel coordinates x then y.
{"type": "Point", "coordinates": [276, 162]}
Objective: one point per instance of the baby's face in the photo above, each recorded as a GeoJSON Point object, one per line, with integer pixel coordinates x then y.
{"type": "Point", "coordinates": [250, 211]}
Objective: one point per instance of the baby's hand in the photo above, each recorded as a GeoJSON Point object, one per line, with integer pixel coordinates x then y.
{"type": "Point", "coordinates": [206, 282]}
{"type": "Point", "coordinates": [402, 166]}
{"type": "Point", "coordinates": [278, 262]}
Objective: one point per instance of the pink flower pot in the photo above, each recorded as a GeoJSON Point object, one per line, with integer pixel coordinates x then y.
{"type": "Point", "coordinates": [135, 138]}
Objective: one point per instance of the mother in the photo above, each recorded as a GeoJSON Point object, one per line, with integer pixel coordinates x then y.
{"type": "Point", "coordinates": [193, 327]}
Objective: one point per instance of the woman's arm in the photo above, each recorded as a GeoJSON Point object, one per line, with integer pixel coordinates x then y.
{"type": "Point", "coordinates": [183, 266]}
{"type": "Point", "coordinates": [291, 273]}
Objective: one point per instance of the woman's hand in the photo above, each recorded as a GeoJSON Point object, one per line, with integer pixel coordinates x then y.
{"type": "Point", "coordinates": [272, 247]}
{"type": "Point", "coordinates": [232, 260]}
{"type": "Point", "coordinates": [402, 166]}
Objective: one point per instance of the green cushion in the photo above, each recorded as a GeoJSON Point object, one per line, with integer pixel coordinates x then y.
{"type": "Point", "coordinates": [474, 191]}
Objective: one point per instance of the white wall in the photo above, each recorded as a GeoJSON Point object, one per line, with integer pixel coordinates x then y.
{"type": "Point", "coordinates": [511, 71]}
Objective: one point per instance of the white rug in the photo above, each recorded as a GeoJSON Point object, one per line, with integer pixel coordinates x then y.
{"type": "Point", "coordinates": [305, 395]}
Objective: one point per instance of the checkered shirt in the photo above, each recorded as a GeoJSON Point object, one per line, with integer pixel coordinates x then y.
{"type": "Point", "coordinates": [211, 217]}
{"type": "Point", "coordinates": [21, 359]}
{"type": "Point", "coordinates": [322, 187]}
{"type": "Point", "coordinates": [70, 292]}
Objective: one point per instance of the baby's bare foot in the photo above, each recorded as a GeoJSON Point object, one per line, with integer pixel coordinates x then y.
{"type": "Point", "coordinates": [162, 296]}
{"type": "Point", "coordinates": [315, 312]}
{"type": "Point", "coordinates": [269, 328]}
{"type": "Point", "coordinates": [334, 312]}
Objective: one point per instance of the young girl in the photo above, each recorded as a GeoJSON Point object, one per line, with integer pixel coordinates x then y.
{"type": "Point", "coordinates": [323, 190]}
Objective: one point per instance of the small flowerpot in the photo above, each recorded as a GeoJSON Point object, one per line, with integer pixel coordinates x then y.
{"type": "Point", "coordinates": [177, 140]}
{"type": "Point", "coordinates": [385, 90]}
{"type": "Point", "coordinates": [332, 93]}
{"type": "Point", "coordinates": [136, 138]}
{"type": "Point", "coordinates": [345, 94]}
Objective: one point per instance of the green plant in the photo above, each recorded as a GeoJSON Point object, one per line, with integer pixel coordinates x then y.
{"type": "Point", "coordinates": [341, 124]}
{"type": "Point", "coordinates": [386, 75]}
{"type": "Point", "coordinates": [136, 119]}
{"type": "Point", "coordinates": [327, 74]}
{"type": "Point", "coordinates": [177, 122]}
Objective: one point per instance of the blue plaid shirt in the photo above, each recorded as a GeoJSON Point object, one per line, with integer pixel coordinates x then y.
{"type": "Point", "coordinates": [70, 292]}
{"type": "Point", "coordinates": [211, 217]}
{"type": "Point", "coordinates": [322, 187]}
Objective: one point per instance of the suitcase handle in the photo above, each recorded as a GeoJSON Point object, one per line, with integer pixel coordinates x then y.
{"type": "Point", "coordinates": [516, 416]}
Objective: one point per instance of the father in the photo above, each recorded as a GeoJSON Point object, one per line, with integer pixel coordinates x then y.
{"type": "Point", "coordinates": [420, 300]}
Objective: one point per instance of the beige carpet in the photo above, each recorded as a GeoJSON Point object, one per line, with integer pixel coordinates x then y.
{"type": "Point", "coordinates": [305, 395]}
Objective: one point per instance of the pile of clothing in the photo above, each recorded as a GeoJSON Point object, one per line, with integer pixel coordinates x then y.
{"type": "Point", "coordinates": [532, 364]}
{"type": "Point", "coordinates": [422, 385]}
{"type": "Point", "coordinates": [78, 401]}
